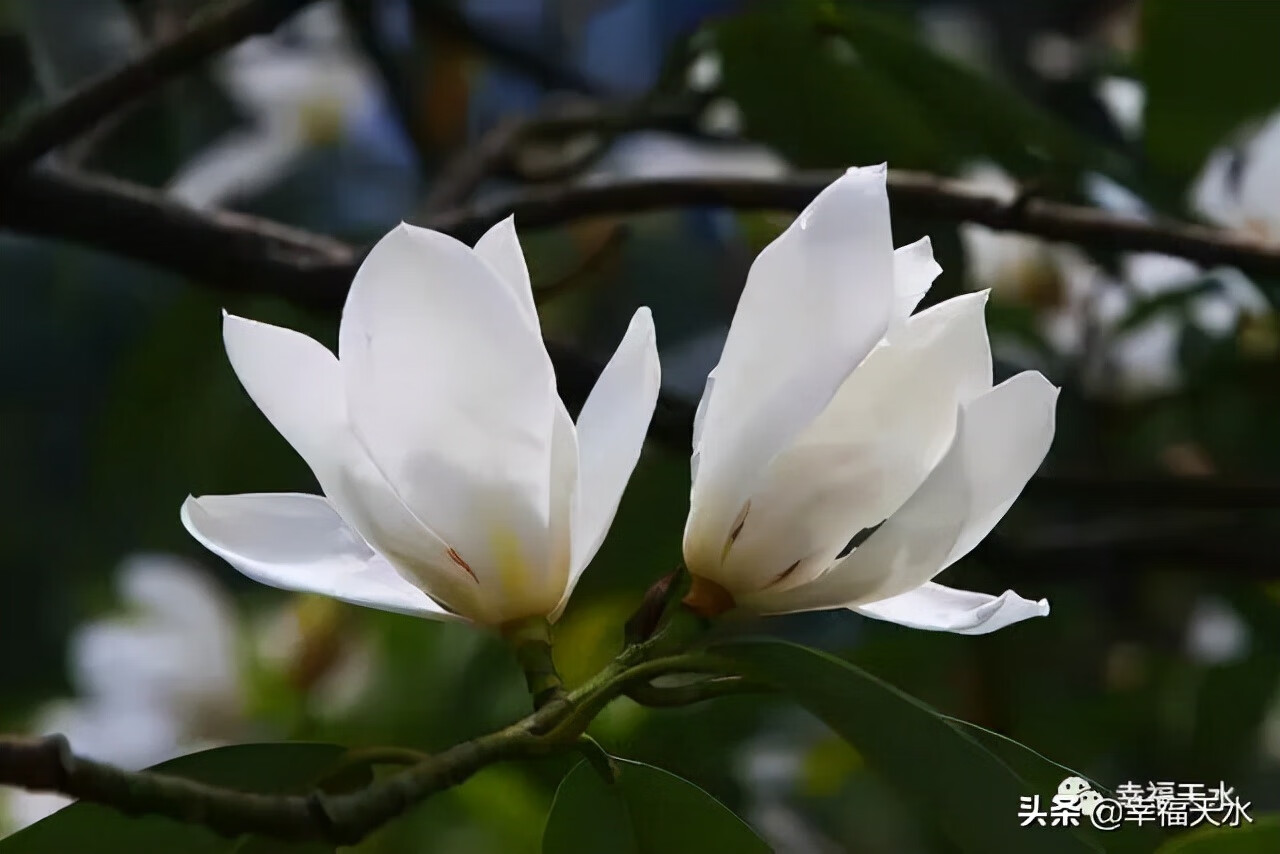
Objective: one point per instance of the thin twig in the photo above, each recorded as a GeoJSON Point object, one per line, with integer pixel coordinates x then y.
{"type": "Point", "coordinates": [236, 253]}
{"type": "Point", "coordinates": [48, 764]}
{"type": "Point", "coordinates": [80, 110]}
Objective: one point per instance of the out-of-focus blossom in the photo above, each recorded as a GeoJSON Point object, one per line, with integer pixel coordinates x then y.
{"type": "Point", "coordinates": [456, 486]}
{"type": "Point", "coordinates": [303, 87]}
{"type": "Point", "coordinates": [655, 154]}
{"type": "Point", "coordinates": [1216, 633]}
{"type": "Point", "coordinates": [836, 416]}
{"type": "Point", "coordinates": [161, 681]}
{"type": "Point", "coordinates": [1239, 186]}
{"type": "Point", "coordinates": [1081, 308]}
{"type": "Point", "coordinates": [1125, 100]}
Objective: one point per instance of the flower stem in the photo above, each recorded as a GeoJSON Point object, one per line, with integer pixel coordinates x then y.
{"type": "Point", "coordinates": [530, 641]}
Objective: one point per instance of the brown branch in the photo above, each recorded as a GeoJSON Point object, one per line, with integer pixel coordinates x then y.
{"type": "Point", "coordinates": [81, 109]}
{"type": "Point", "coordinates": [236, 253]}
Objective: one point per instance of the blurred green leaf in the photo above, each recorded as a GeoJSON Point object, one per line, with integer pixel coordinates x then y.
{"type": "Point", "coordinates": [1261, 837]}
{"type": "Point", "coordinates": [1208, 67]}
{"type": "Point", "coordinates": [846, 84]}
{"type": "Point", "coordinates": [1044, 775]}
{"type": "Point", "coordinates": [969, 791]}
{"type": "Point", "coordinates": [647, 811]}
{"type": "Point", "coordinates": [262, 768]}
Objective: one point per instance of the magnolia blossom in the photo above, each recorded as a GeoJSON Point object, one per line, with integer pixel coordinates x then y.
{"type": "Point", "coordinates": [1239, 186]}
{"type": "Point", "coordinates": [298, 93]}
{"type": "Point", "coordinates": [455, 483]}
{"type": "Point", "coordinates": [159, 683]}
{"type": "Point", "coordinates": [1082, 308]}
{"type": "Point", "coordinates": [835, 415]}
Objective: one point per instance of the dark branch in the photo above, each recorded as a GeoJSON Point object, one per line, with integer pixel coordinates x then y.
{"type": "Point", "coordinates": [77, 112]}
{"type": "Point", "coordinates": [236, 253]}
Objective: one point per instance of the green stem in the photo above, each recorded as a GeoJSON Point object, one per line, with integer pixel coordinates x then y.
{"type": "Point", "coordinates": [530, 641]}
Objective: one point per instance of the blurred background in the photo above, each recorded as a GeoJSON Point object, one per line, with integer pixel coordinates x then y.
{"type": "Point", "coordinates": [1161, 660]}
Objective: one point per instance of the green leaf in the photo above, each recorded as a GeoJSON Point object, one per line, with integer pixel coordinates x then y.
{"type": "Point", "coordinates": [1261, 837]}
{"type": "Point", "coordinates": [971, 793]}
{"type": "Point", "coordinates": [264, 768]}
{"type": "Point", "coordinates": [647, 811]}
{"type": "Point", "coordinates": [1208, 68]}
{"type": "Point", "coordinates": [847, 84]}
{"type": "Point", "coordinates": [1044, 775]}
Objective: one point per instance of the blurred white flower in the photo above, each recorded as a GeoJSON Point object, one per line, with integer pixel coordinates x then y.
{"type": "Point", "coordinates": [161, 681]}
{"type": "Point", "coordinates": [836, 415]}
{"type": "Point", "coordinates": [1216, 633]}
{"type": "Point", "coordinates": [723, 118]}
{"type": "Point", "coordinates": [1081, 308]}
{"type": "Point", "coordinates": [1125, 99]}
{"type": "Point", "coordinates": [705, 72]}
{"type": "Point", "coordinates": [656, 154]}
{"type": "Point", "coordinates": [301, 87]}
{"type": "Point", "coordinates": [1239, 185]}
{"type": "Point", "coordinates": [456, 486]}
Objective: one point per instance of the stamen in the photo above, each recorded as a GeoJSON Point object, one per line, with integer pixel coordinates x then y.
{"type": "Point", "coordinates": [737, 529]}
{"type": "Point", "coordinates": [457, 558]}
{"type": "Point", "coordinates": [782, 575]}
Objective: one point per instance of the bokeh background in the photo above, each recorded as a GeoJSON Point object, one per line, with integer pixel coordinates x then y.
{"type": "Point", "coordinates": [1161, 660]}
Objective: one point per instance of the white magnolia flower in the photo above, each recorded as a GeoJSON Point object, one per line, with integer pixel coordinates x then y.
{"type": "Point", "coordinates": [835, 411]}
{"type": "Point", "coordinates": [1081, 308]}
{"type": "Point", "coordinates": [298, 93]}
{"type": "Point", "coordinates": [159, 682]}
{"type": "Point", "coordinates": [455, 483]}
{"type": "Point", "coordinates": [657, 154]}
{"type": "Point", "coordinates": [1239, 186]}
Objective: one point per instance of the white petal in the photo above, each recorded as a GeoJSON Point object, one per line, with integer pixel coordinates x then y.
{"type": "Point", "coordinates": [237, 166]}
{"type": "Point", "coordinates": [611, 431]}
{"type": "Point", "coordinates": [816, 302]}
{"type": "Point", "coordinates": [1001, 439]}
{"type": "Point", "coordinates": [500, 247]}
{"type": "Point", "coordinates": [913, 273]}
{"type": "Point", "coordinates": [945, 609]}
{"type": "Point", "coordinates": [452, 395]}
{"type": "Point", "coordinates": [869, 450]}
{"type": "Point", "coordinates": [1215, 193]}
{"type": "Point", "coordinates": [298, 542]}
{"type": "Point", "coordinates": [297, 383]}
{"type": "Point", "coordinates": [566, 495]}
{"type": "Point", "coordinates": [1260, 184]}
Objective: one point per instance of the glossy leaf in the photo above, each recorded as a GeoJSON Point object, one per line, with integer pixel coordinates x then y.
{"type": "Point", "coordinates": [264, 768]}
{"type": "Point", "coordinates": [1208, 68]}
{"type": "Point", "coordinates": [646, 811]}
{"type": "Point", "coordinates": [1260, 837]}
{"type": "Point", "coordinates": [953, 779]}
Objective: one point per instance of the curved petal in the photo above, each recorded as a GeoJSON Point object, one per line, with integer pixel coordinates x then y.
{"type": "Point", "coordinates": [566, 495]}
{"type": "Point", "coordinates": [611, 431]}
{"type": "Point", "coordinates": [944, 609]}
{"type": "Point", "coordinates": [1001, 438]}
{"type": "Point", "coordinates": [1260, 185]}
{"type": "Point", "coordinates": [913, 273]}
{"type": "Point", "coordinates": [297, 383]}
{"type": "Point", "coordinates": [500, 247]}
{"type": "Point", "coordinates": [869, 450]}
{"type": "Point", "coordinates": [451, 394]}
{"type": "Point", "coordinates": [1215, 194]}
{"type": "Point", "coordinates": [299, 542]}
{"type": "Point", "coordinates": [816, 301]}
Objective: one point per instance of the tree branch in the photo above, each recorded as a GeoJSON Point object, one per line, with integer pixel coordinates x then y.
{"type": "Point", "coordinates": [236, 253]}
{"type": "Point", "coordinates": [77, 112]}
{"type": "Point", "coordinates": [48, 764]}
